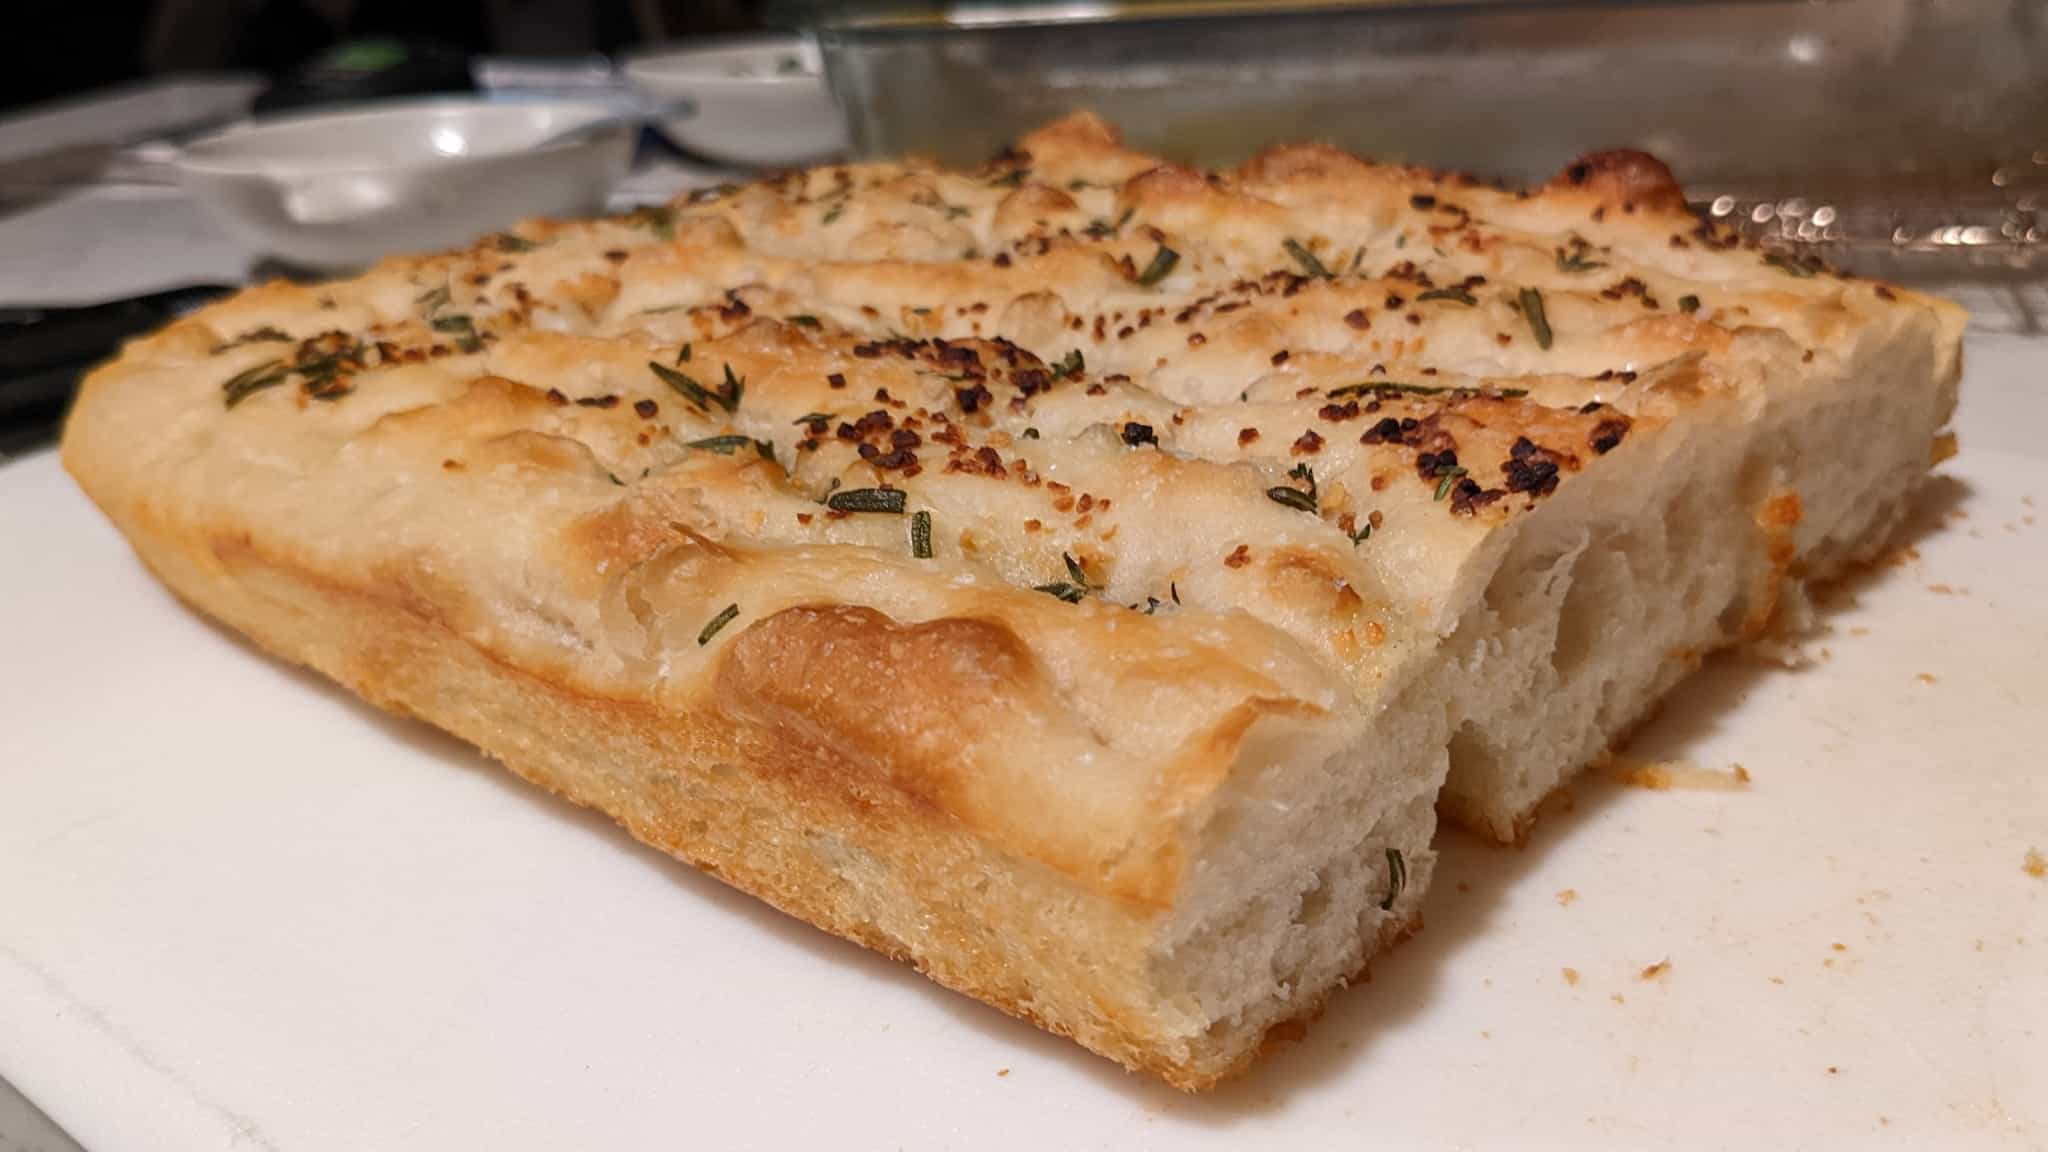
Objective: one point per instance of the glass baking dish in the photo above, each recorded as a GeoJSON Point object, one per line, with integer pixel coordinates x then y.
{"type": "Point", "coordinates": [1915, 125]}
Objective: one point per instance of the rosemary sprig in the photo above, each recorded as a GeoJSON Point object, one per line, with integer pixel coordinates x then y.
{"type": "Point", "coordinates": [1456, 293]}
{"type": "Point", "coordinates": [1788, 265]}
{"type": "Point", "coordinates": [1573, 259]}
{"type": "Point", "coordinates": [1307, 259]}
{"type": "Point", "coordinates": [1100, 229]}
{"type": "Point", "coordinates": [460, 326]}
{"type": "Point", "coordinates": [1161, 266]}
{"type": "Point", "coordinates": [1293, 498]}
{"type": "Point", "coordinates": [247, 383]}
{"type": "Point", "coordinates": [659, 219]}
{"type": "Point", "coordinates": [921, 535]}
{"type": "Point", "coordinates": [1372, 386]}
{"type": "Point", "coordinates": [704, 398]}
{"type": "Point", "coordinates": [1301, 500]}
{"type": "Point", "coordinates": [723, 445]}
{"type": "Point", "coordinates": [1073, 588]}
{"type": "Point", "coordinates": [718, 624]}
{"type": "Point", "coordinates": [1397, 878]}
{"type": "Point", "coordinates": [884, 500]}
{"type": "Point", "coordinates": [1532, 310]}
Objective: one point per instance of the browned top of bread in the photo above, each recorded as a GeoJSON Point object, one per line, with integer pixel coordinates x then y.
{"type": "Point", "coordinates": [1038, 489]}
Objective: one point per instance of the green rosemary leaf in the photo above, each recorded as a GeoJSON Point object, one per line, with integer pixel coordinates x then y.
{"type": "Point", "coordinates": [921, 535]}
{"type": "Point", "coordinates": [1788, 265]}
{"type": "Point", "coordinates": [462, 328]}
{"type": "Point", "coordinates": [1455, 293]}
{"type": "Point", "coordinates": [1101, 229]}
{"type": "Point", "coordinates": [717, 624]}
{"type": "Point", "coordinates": [1160, 267]}
{"type": "Point", "coordinates": [1532, 311]}
{"type": "Point", "coordinates": [1397, 878]}
{"type": "Point", "coordinates": [1293, 498]}
{"type": "Point", "coordinates": [723, 445]}
{"type": "Point", "coordinates": [686, 384]}
{"type": "Point", "coordinates": [245, 384]}
{"type": "Point", "coordinates": [1445, 479]}
{"type": "Point", "coordinates": [1307, 259]}
{"type": "Point", "coordinates": [1574, 259]}
{"type": "Point", "coordinates": [659, 219]}
{"type": "Point", "coordinates": [1372, 386]}
{"type": "Point", "coordinates": [886, 500]}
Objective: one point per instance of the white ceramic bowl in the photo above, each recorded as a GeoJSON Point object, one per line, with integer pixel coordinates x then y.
{"type": "Point", "coordinates": [761, 101]}
{"type": "Point", "coordinates": [337, 189]}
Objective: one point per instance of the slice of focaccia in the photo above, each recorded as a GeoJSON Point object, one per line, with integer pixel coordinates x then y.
{"type": "Point", "coordinates": [1082, 578]}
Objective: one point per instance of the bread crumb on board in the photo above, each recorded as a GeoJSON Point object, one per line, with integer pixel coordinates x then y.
{"type": "Point", "coordinates": [1663, 776]}
{"type": "Point", "coordinates": [1002, 1072]}
{"type": "Point", "coordinates": [1565, 897]}
{"type": "Point", "coordinates": [1656, 971]}
{"type": "Point", "coordinates": [2034, 864]}
{"type": "Point", "coordinates": [1925, 677]}
{"type": "Point", "coordinates": [1571, 976]}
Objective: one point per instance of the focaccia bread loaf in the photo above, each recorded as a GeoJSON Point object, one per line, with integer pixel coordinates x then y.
{"type": "Point", "coordinates": [1081, 578]}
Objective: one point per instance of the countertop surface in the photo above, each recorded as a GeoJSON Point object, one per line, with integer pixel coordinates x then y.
{"type": "Point", "coordinates": [240, 909]}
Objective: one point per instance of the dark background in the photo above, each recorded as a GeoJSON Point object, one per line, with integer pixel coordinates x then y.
{"type": "Point", "coordinates": [55, 48]}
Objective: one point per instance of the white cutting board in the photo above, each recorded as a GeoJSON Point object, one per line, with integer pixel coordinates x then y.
{"type": "Point", "coordinates": [239, 909]}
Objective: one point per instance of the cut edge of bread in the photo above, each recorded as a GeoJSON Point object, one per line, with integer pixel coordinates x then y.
{"type": "Point", "coordinates": [1591, 618]}
{"type": "Point", "coordinates": [1253, 942]}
